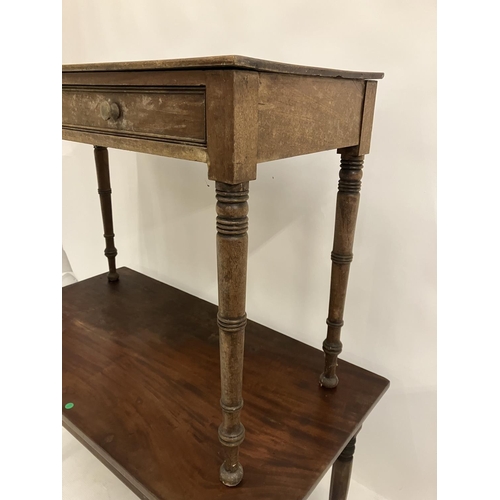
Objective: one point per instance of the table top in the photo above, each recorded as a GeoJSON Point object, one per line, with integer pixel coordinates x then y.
{"type": "Point", "coordinates": [141, 367]}
{"type": "Point", "coordinates": [223, 62]}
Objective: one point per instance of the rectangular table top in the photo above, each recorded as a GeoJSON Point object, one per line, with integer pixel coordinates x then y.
{"type": "Point", "coordinates": [224, 62]}
{"type": "Point", "coordinates": [141, 371]}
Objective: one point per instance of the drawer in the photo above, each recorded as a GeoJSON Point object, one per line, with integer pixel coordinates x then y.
{"type": "Point", "coordinates": [171, 114]}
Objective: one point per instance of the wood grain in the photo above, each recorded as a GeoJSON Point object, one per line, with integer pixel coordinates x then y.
{"type": "Point", "coordinates": [367, 119]}
{"type": "Point", "coordinates": [160, 148]}
{"type": "Point", "coordinates": [141, 365]}
{"type": "Point", "coordinates": [223, 62]}
{"type": "Point", "coordinates": [300, 115]}
{"type": "Point", "coordinates": [157, 142]}
{"type": "Point", "coordinates": [229, 118]}
{"type": "Point", "coordinates": [232, 126]}
{"type": "Point", "coordinates": [162, 113]}
{"type": "Point", "coordinates": [189, 78]}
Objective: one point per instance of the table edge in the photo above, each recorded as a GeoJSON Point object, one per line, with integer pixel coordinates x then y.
{"type": "Point", "coordinates": [232, 62]}
{"type": "Point", "coordinates": [106, 459]}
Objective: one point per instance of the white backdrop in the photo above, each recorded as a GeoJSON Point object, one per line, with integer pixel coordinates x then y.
{"type": "Point", "coordinates": [165, 217]}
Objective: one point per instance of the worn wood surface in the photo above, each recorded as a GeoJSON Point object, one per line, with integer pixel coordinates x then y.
{"type": "Point", "coordinates": [190, 78]}
{"type": "Point", "coordinates": [162, 123]}
{"type": "Point", "coordinates": [232, 125]}
{"type": "Point", "coordinates": [341, 472]}
{"type": "Point", "coordinates": [231, 119]}
{"type": "Point", "coordinates": [362, 146]}
{"type": "Point", "coordinates": [345, 224]}
{"type": "Point", "coordinates": [367, 119]}
{"type": "Point", "coordinates": [232, 250]}
{"type": "Point", "coordinates": [104, 190]}
{"type": "Point", "coordinates": [299, 115]}
{"type": "Point", "coordinates": [162, 113]}
{"type": "Point", "coordinates": [223, 62]}
{"type": "Point", "coordinates": [160, 148]}
{"type": "Point", "coordinates": [141, 365]}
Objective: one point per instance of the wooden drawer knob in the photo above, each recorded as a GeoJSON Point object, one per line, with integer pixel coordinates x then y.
{"type": "Point", "coordinates": [109, 111]}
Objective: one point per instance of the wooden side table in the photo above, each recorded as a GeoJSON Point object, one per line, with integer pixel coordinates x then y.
{"type": "Point", "coordinates": [140, 360]}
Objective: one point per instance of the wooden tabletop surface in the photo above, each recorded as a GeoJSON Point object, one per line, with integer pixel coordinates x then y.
{"type": "Point", "coordinates": [141, 369]}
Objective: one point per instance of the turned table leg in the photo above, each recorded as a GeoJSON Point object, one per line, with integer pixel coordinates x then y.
{"type": "Point", "coordinates": [341, 472]}
{"type": "Point", "coordinates": [104, 190]}
{"type": "Point", "coordinates": [345, 224]}
{"type": "Point", "coordinates": [232, 249]}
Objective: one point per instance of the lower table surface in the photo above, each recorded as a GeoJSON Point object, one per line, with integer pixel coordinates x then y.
{"type": "Point", "coordinates": [141, 367]}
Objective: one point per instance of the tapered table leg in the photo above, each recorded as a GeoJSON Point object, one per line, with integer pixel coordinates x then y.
{"type": "Point", "coordinates": [104, 190]}
{"type": "Point", "coordinates": [345, 224]}
{"type": "Point", "coordinates": [232, 249]}
{"type": "Point", "coordinates": [341, 472]}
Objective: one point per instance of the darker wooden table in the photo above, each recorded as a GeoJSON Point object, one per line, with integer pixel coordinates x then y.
{"type": "Point", "coordinates": [144, 364]}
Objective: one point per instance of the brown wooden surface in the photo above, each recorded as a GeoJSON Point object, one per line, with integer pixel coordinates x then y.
{"type": "Point", "coordinates": [367, 119]}
{"type": "Point", "coordinates": [300, 115]}
{"type": "Point", "coordinates": [171, 150]}
{"type": "Point", "coordinates": [232, 125]}
{"type": "Point", "coordinates": [223, 62]}
{"type": "Point", "coordinates": [175, 148]}
{"type": "Point", "coordinates": [163, 113]}
{"type": "Point", "coordinates": [191, 78]}
{"type": "Point", "coordinates": [231, 119]}
{"type": "Point", "coordinates": [141, 365]}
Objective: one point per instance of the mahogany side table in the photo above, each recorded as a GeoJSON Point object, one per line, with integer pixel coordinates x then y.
{"type": "Point", "coordinates": [141, 359]}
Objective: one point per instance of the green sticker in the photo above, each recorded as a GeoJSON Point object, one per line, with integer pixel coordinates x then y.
{"type": "Point", "coordinates": [68, 406]}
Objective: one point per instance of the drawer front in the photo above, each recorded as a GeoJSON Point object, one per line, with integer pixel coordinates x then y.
{"type": "Point", "coordinates": [163, 113]}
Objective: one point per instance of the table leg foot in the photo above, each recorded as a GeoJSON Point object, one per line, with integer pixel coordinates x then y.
{"type": "Point", "coordinates": [231, 478]}
{"type": "Point", "coordinates": [328, 382]}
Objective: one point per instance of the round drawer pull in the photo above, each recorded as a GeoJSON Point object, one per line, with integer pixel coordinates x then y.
{"type": "Point", "coordinates": [109, 111]}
